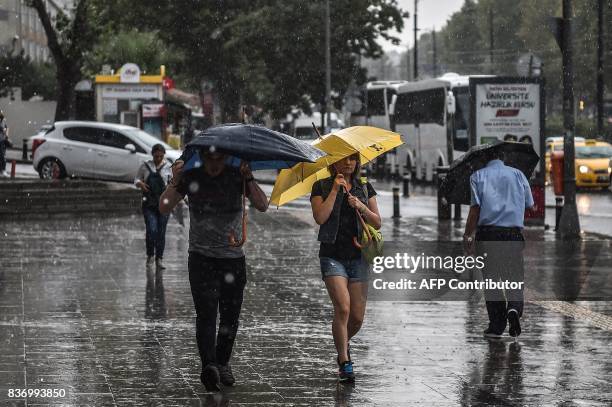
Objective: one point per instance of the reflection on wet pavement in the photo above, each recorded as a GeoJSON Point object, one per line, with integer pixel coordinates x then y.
{"type": "Point", "coordinates": [80, 312]}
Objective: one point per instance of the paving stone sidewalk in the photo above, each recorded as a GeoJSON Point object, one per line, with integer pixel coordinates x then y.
{"type": "Point", "coordinates": [79, 312]}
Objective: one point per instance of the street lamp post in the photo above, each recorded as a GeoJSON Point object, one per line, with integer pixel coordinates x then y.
{"type": "Point", "coordinates": [569, 223]}
{"type": "Point", "coordinates": [327, 65]}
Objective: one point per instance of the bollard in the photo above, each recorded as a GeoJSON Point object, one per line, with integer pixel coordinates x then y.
{"type": "Point", "coordinates": [396, 203]}
{"type": "Point", "coordinates": [13, 167]}
{"type": "Point", "coordinates": [444, 208]}
{"type": "Point", "coordinates": [24, 150]}
{"type": "Point", "coordinates": [406, 185]}
{"type": "Point", "coordinates": [457, 212]}
{"type": "Point", "coordinates": [558, 210]}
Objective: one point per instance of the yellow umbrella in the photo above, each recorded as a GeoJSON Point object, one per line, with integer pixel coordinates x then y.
{"type": "Point", "coordinates": [369, 142]}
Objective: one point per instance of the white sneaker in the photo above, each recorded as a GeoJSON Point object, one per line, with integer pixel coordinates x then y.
{"type": "Point", "coordinates": [150, 261]}
{"type": "Point", "coordinates": [159, 263]}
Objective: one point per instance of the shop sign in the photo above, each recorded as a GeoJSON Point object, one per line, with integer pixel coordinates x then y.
{"type": "Point", "coordinates": [152, 110]}
{"type": "Point", "coordinates": [118, 91]}
{"type": "Point", "coordinates": [130, 73]}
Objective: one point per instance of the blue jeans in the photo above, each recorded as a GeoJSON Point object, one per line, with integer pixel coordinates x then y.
{"type": "Point", "coordinates": [354, 270]}
{"type": "Point", "coordinates": [155, 224]}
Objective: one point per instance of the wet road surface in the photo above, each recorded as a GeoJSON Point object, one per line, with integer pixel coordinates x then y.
{"type": "Point", "coordinates": [79, 312]}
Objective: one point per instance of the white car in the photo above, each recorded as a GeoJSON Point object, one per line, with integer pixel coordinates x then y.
{"type": "Point", "coordinates": [94, 150]}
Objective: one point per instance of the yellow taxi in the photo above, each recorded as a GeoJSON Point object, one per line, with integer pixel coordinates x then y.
{"type": "Point", "coordinates": [593, 164]}
{"type": "Point", "coordinates": [556, 144]}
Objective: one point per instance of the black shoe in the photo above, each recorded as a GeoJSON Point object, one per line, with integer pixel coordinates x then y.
{"type": "Point", "coordinates": [345, 373]}
{"type": "Point", "coordinates": [210, 377]}
{"type": "Point", "coordinates": [491, 334]}
{"type": "Point", "coordinates": [227, 378]}
{"type": "Point", "coordinates": [515, 324]}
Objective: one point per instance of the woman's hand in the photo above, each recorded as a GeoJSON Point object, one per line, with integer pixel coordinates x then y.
{"type": "Point", "coordinates": [339, 182]}
{"type": "Point", "coordinates": [144, 186]}
{"type": "Point", "coordinates": [354, 202]}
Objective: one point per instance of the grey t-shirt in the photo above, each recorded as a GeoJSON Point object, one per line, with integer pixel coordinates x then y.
{"type": "Point", "coordinates": [215, 209]}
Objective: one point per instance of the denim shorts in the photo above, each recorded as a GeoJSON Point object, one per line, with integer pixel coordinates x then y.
{"type": "Point", "coordinates": [355, 270]}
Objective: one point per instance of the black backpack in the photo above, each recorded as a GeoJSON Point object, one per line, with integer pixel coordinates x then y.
{"type": "Point", "coordinates": [156, 188]}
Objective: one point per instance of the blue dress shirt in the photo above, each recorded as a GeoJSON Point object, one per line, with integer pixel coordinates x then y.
{"type": "Point", "coordinates": [502, 193]}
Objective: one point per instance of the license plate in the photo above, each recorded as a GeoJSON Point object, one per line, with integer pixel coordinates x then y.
{"type": "Point", "coordinates": [602, 178]}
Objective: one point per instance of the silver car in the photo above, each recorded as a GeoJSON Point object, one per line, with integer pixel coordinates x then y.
{"type": "Point", "coordinates": [94, 150]}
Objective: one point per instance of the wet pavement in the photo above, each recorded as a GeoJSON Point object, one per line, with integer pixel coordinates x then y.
{"type": "Point", "coordinates": [80, 313]}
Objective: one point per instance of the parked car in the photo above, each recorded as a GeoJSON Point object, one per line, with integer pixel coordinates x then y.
{"type": "Point", "coordinates": [94, 150]}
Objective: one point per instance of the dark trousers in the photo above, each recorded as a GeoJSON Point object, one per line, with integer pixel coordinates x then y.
{"type": "Point", "coordinates": [216, 284]}
{"type": "Point", "coordinates": [155, 224]}
{"type": "Point", "coordinates": [2, 156]}
{"type": "Point", "coordinates": [504, 262]}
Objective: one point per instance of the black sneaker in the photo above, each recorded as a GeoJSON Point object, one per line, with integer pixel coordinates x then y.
{"type": "Point", "coordinates": [346, 373]}
{"type": "Point", "coordinates": [227, 378]}
{"type": "Point", "coordinates": [515, 324]}
{"type": "Point", "coordinates": [210, 378]}
{"type": "Point", "coordinates": [491, 334]}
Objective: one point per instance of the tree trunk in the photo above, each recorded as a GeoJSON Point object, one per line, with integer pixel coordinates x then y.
{"type": "Point", "coordinates": [67, 78]}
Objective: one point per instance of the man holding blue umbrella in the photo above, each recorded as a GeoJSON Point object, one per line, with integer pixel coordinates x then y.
{"type": "Point", "coordinates": [217, 267]}
{"type": "Point", "coordinates": [215, 174]}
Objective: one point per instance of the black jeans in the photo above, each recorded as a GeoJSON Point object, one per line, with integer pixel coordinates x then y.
{"type": "Point", "coordinates": [504, 261]}
{"type": "Point", "coordinates": [2, 156]}
{"type": "Point", "coordinates": [216, 284]}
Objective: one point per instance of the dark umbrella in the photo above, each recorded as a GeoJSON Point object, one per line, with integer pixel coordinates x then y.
{"type": "Point", "coordinates": [455, 187]}
{"type": "Point", "coordinates": [261, 147]}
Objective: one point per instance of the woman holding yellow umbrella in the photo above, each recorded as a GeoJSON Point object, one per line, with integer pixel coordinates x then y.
{"type": "Point", "coordinates": [334, 201]}
{"type": "Point", "coordinates": [337, 194]}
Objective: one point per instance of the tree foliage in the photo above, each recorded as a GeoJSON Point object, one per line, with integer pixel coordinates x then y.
{"type": "Point", "coordinates": [70, 39]}
{"type": "Point", "coordinates": [270, 52]}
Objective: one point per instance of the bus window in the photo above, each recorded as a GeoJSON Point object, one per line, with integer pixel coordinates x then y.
{"type": "Point", "coordinates": [376, 102]}
{"type": "Point", "coordinates": [462, 118]}
{"type": "Point", "coordinates": [426, 106]}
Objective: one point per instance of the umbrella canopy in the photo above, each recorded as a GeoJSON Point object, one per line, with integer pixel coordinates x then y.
{"type": "Point", "coordinates": [261, 147]}
{"type": "Point", "coordinates": [369, 142]}
{"type": "Point", "coordinates": [455, 187]}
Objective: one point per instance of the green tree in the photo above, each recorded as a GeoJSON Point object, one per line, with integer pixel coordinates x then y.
{"type": "Point", "coordinates": [268, 52]}
{"type": "Point", "coordinates": [70, 39]}
{"type": "Point", "coordinates": [464, 49]}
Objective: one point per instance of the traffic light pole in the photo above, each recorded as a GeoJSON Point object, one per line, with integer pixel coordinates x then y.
{"type": "Point", "coordinates": [569, 223]}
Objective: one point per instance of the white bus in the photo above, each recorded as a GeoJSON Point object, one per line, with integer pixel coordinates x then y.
{"type": "Point", "coordinates": [420, 113]}
{"type": "Point", "coordinates": [375, 99]}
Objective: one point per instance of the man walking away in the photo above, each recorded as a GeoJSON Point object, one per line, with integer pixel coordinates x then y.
{"type": "Point", "coordinates": [499, 196]}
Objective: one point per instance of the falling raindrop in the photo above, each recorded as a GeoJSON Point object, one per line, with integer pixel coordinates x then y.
{"type": "Point", "coordinates": [212, 149]}
{"type": "Point", "coordinates": [229, 278]}
{"type": "Point", "coordinates": [194, 187]}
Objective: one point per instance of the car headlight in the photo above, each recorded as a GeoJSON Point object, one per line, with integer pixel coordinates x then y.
{"type": "Point", "coordinates": [609, 170]}
{"type": "Point", "coordinates": [583, 169]}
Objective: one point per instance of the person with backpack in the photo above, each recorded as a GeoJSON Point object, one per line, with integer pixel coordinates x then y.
{"type": "Point", "coordinates": [152, 178]}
